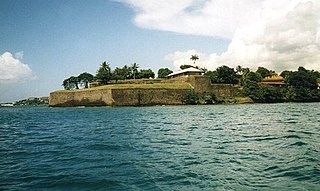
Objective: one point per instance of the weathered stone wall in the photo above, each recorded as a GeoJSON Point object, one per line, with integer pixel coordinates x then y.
{"type": "Point", "coordinates": [201, 84]}
{"type": "Point", "coordinates": [81, 98]}
{"type": "Point", "coordinates": [140, 97]}
{"type": "Point", "coordinates": [226, 90]}
{"type": "Point", "coordinates": [118, 97]}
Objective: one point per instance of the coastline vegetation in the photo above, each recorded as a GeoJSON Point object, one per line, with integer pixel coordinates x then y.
{"type": "Point", "coordinates": [262, 85]}
{"type": "Point", "coordinates": [293, 86]}
{"type": "Point", "coordinates": [32, 101]}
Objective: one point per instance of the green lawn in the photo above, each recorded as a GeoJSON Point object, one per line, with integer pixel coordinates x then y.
{"type": "Point", "coordinates": [181, 85]}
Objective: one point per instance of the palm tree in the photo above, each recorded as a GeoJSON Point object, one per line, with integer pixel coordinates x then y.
{"type": "Point", "coordinates": [134, 68]}
{"type": "Point", "coordinates": [239, 70]}
{"type": "Point", "coordinates": [194, 58]}
{"type": "Point", "coordinates": [126, 72]}
{"type": "Point", "coordinates": [104, 73]}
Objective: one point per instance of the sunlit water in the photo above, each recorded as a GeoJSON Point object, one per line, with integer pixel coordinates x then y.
{"type": "Point", "coordinates": [219, 147]}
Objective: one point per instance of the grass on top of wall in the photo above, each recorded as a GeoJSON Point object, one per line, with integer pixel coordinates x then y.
{"type": "Point", "coordinates": [181, 85]}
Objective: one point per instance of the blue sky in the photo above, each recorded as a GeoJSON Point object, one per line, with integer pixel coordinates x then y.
{"type": "Point", "coordinates": [42, 42]}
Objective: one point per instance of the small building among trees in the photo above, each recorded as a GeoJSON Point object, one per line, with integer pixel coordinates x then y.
{"type": "Point", "coordinates": [273, 81]}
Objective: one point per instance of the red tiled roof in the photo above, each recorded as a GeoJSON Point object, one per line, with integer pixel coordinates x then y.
{"type": "Point", "coordinates": [272, 83]}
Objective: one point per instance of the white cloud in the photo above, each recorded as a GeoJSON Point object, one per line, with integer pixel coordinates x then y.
{"type": "Point", "coordinates": [283, 38]}
{"type": "Point", "coordinates": [12, 69]}
{"type": "Point", "coordinates": [199, 17]}
{"type": "Point", "coordinates": [277, 34]}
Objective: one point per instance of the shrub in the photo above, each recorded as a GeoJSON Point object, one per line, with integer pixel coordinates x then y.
{"type": "Point", "coordinates": [190, 98]}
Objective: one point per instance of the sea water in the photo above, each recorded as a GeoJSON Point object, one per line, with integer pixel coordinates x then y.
{"type": "Point", "coordinates": [218, 147]}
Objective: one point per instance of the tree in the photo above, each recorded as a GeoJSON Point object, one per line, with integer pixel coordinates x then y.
{"type": "Point", "coordinates": [163, 72]}
{"type": "Point", "coordinates": [134, 69]}
{"type": "Point", "coordinates": [302, 78]}
{"type": "Point", "coordinates": [71, 83]}
{"type": "Point", "coordinates": [74, 80]}
{"type": "Point", "coordinates": [104, 74]}
{"type": "Point", "coordinates": [263, 93]}
{"type": "Point", "coordinates": [270, 94]}
{"type": "Point", "coordinates": [226, 75]}
{"type": "Point", "coordinates": [203, 69]}
{"type": "Point", "coordinates": [190, 98]}
{"type": "Point", "coordinates": [239, 70]}
{"type": "Point", "coordinates": [85, 78]}
{"type": "Point", "coordinates": [213, 75]}
{"type": "Point", "coordinates": [316, 73]}
{"type": "Point", "coordinates": [118, 74]}
{"type": "Point", "coordinates": [241, 74]}
{"type": "Point", "coordinates": [264, 72]}
{"type": "Point", "coordinates": [194, 58]}
{"type": "Point", "coordinates": [253, 76]}
{"type": "Point", "coordinates": [185, 66]}
{"type": "Point", "coordinates": [303, 86]}
{"type": "Point", "coordinates": [127, 74]}
{"type": "Point", "coordinates": [67, 84]}
{"type": "Point", "coordinates": [146, 74]}
{"type": "Point", "coordinates": [285, 74]}
{"type": "Point", "coordinates": [252, 90]}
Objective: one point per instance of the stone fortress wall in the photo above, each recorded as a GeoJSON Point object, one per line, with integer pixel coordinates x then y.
{"type": "Point", "coordinates": [140, 96]}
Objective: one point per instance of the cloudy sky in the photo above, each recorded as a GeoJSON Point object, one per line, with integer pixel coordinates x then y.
{"type": "Point", "coordinates": [43, 42]}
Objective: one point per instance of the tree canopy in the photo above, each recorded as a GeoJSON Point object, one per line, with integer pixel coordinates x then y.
{"type": "Point", "coordinates": [226, 75]}
{"type": "Point", "coordinates": [146, 74]}
{"type": "Point", "coordinates": [185, 66]}
{"type": "Point", "coordinates": [103, 74]}
{"type": "Point", "coordinates": [163, 72]}
{"type": "Point", "coordinates": [85, 78]}
{"type": "Point", "coordinates": [264, 72]}
{"type": "Point", "coordinates": [134, 69]}
{"type": "Point", "coordinates": [71, 83]}
{"type": "Point", "coordinates": [302, 78]}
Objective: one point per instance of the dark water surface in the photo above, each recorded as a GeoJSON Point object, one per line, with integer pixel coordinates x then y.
{"type": "Point", "coordinates": [234, 147]}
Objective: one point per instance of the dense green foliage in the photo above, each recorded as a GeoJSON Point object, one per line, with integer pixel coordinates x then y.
{"type": "Point", "coordinates": [264, 72]}
{"type": "Point", "coordinates": [36, 101]}
{"type": "Point", "coordinates": [192, 98]}
{"type": "Point", "coordinates": [223, 75]}
{"type": "Point", "coordinates": [104, 75]}
{"type": "Point", "coordinates": [71, 83]}
{"type": "Point", "coordinates": [252, 76]}
{"type": "Point", "coordinates": [134, 69]}
{"type": "Point", "coordinates": [213, 75]}
{"type": "Point", "coordinates": [163, 72]}
{"type": "Point", "coordinates": [301, 86]}
{"type": "Point", "coordinates": [263, 93]}
{"type": "Point", "coordinates": [131, 72]}
{"type": "Point", "coordinates": [285, 73]}
{"type": "Point", "coordinates": [185, 66]}
{"type": "Point", "coordinates": [122, 73]}
{"type": "Point", "coordinates": [260, 93]}
{"type": "Point", "coordinates": [302, 78]}
{"type": "Point", "coordinates": [146, 74]}
{"type": "Point", "coordinates": [85, 78]}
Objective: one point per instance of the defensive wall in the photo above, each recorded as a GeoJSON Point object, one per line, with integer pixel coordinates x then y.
{"type": "Point", "coordinates": [166, 92]}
